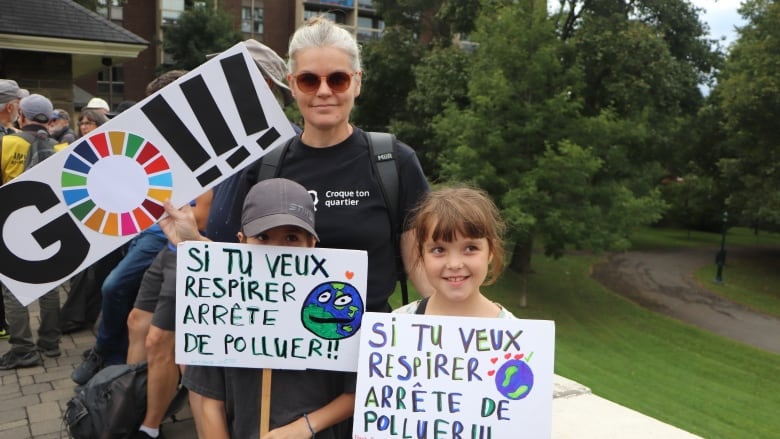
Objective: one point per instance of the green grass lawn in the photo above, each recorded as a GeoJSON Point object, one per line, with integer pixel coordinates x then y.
{"type": "Point", "coordinates": [751, 281]}
{"type": "Point", "coordinates": [702, 383]}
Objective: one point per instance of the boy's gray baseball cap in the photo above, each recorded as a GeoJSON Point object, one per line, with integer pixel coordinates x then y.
{"type": "Point", "coordinates": [9, 90]}
{"type": "Point", "coordinates": [277, 202]}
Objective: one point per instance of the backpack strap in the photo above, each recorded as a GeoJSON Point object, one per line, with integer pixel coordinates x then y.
{"type": "Point", "coordinates": [422, 305]}
{"type": "Point", "coordinates": [383, 149]}
{"type": "Point", "coordinates": [269, 166]}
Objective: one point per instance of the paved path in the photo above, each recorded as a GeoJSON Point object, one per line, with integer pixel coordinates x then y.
{"type": "Point", "coordinates": [663, 281]}
{"type": "Point", "coordinates": [32, 400]}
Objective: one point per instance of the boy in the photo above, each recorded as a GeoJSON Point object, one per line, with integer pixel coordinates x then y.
{"type": "Point", "coordinates": [276, 212]}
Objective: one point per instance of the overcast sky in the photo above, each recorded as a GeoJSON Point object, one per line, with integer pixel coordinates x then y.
{"type": "Point", "coordinates": [721, 16]}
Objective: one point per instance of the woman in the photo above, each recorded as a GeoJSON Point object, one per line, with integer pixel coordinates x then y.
{"type": "Point", "coordinates": [330, 159]}
{"type": "Point", "coordinates": [90, 120]}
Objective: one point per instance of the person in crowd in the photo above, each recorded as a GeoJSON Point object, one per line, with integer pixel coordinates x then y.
{"type": "Point", "coordinates": [59, 127]}
{"type": "Point", "coordinates": [331, 157]}
{"type": "Point", "coordinates": [122, 106]}
{"type": "Point", "coordinates": [276, 212]}
{"type": "Point", "coordinates": [98, 104]}
{"type": "Point", "coordinates": [120, 287]}
{"type": "Point", "coordinates": [89, 120]}
{"type": "Point", "coordinates": [34, 113]}
{"type": "Point", "coordinates": [459, 247]}
{"type": "Point", "coordinates": [223, 224]}
{"type": "Point", "coordinates": [10, 95]}
{"type": "Point", "coordinates": [152, 325]}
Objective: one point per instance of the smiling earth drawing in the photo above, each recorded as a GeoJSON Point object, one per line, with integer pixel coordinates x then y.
{"type": "Point", "coordinates": [333, 310]}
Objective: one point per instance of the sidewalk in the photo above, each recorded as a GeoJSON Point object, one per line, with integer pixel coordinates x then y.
{"type": "Point", "coordinates": [33, 400]}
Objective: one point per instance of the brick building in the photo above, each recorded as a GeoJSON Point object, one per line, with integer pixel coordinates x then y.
{"type": "Point", "coordinates": [46, 44]}
{"type": "Point", "coordinates": [268, 21]}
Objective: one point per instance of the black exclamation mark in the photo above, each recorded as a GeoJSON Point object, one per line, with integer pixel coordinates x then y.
{"type": "Point", "coordinates": [247, 100]}
{"type": "Point", "coordinates": [333, 348]}
{"type": "Point", "coordinates": [167, 122]}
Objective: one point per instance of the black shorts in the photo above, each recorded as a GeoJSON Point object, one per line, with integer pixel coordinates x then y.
{"type": "Point", "coordinates": [157, 293]}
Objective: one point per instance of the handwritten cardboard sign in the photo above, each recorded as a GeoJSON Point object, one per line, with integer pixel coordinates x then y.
{"type": "Point", "coordinates": [261, 306]}
{"type": "Point", "coordinates": [102, 190]}
{"type": "Point", "coordinates": [454, 377]}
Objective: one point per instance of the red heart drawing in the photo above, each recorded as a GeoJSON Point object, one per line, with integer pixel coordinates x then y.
{"type": "Point", "coordinates": [491, 372]}
{"type": "Point", "coordinates": [349, 274]}
{"type": "Point", "coordinates": [507, 355]}
{"type": "Point", "coordinates": [518, 356]}
{"type": "Point", "coordinates": [493, 360]}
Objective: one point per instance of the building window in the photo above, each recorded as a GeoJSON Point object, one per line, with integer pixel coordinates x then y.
{"type": "Point", "coordinates": [111, 83]}
{"type": "Point", "coordinates": [170, 10]}
{"type": "Point", "coordinates": [336, 18]}
{"type": "Point", "coordinates": [252, 23]}
{"type": "Point", "coordinates": [348, 3]}
{"type": "Point", "coordinates": [111, 9]}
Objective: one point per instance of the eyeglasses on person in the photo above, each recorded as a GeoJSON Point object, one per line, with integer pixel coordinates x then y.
{"type": "Point", "coordinates": [87, 122]}
{"type": "Point", "coordinates": [339, 82]}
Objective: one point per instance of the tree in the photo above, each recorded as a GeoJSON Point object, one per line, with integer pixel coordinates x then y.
{"type": "Point", "coordinates": [199, 31]}
{"type": "Point", "coordinates": [388, 65]}
{"type": "Point", "coordinates": [748, 93]}
{"type": "Point", "coordinates": [431, 21]}
{"type": "Point", "coordinates": [519, 138]}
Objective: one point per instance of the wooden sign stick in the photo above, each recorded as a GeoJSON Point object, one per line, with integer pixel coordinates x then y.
{"type": "Point", "coordinates": [265, 402]}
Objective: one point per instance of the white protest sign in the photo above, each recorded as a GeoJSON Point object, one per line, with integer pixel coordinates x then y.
{"type": "Point", "coordinates": [85, 201]}
{"type": "Point", "coordinates": [454, 377]}
{"type": "Point", "coordinates": [263, 306]}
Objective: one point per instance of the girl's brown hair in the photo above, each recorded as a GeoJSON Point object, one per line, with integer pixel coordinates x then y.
{"type": "Point", "coordinates": [446, 212]}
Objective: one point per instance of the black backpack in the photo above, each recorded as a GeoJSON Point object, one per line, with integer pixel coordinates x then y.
{"type": "Point", "coordinates": [111, 405]}
{"type": "Point", "coordinates": [41, 147]}
{"type": "Point", "coordinates": [383, 147]}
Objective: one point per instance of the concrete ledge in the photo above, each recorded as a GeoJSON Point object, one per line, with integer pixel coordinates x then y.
{"type": "Point", "coordinates": [578, 413]}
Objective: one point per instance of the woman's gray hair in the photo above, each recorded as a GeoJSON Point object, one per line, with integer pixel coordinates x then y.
{"type": "Point", "coordinates": [321, 32]}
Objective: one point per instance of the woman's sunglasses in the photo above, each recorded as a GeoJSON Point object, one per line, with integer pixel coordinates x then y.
{"type": "Point", "coordinates": [339, 82]}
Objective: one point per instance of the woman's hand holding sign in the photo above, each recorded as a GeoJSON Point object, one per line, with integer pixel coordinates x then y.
{"type": "Point", "coordinates": [180, 224]}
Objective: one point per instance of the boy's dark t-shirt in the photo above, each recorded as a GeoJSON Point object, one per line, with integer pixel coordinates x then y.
{"type": "Point", "coordinates": [293, 393]}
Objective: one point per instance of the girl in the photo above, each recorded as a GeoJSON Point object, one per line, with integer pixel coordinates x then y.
{"type": "Point", "coordinates": [459, 246]}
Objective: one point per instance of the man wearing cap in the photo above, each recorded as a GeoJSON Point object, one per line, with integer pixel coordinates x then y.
{"type": "Point", "coordinates": [59, 127]}
{"type": "Point", "coordinates": [10, 94]}
{"type": "Point", "coordinates": [223, 226]}
{"type": "Point", "coordinates": [34, 113]}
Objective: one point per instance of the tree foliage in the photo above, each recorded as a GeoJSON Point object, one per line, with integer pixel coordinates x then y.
{"type": "Point", "coordinates": [199, 31]}
{"type": "Point", "coordinates": [748, 96]}
{"type": "Point", "coordinates": [569, 120]}
{"type": "Point", "coordinates": [431, 21]}
{"type": "Point", "coordinates": [555, 172]}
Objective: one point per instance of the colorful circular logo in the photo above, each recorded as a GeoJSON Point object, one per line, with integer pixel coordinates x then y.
{"type": "Point", "coordinates": [115, 183]}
